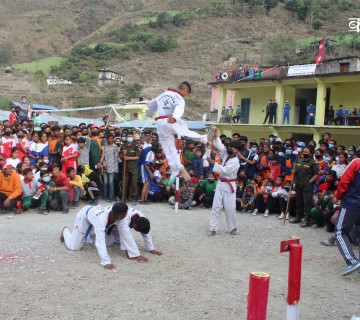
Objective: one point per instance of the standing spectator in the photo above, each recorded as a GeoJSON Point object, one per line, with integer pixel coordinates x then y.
{"type": "Point", "coordinates": [348, 193]}
{"type": "Point", "coordinates": [32, 148]}
{"type": "Point", "coordinates": [96, 151]}
{"type": "Point", "coordinates": [329, 117]}
{"type": "Point", "coordinates": [197, 164]}
{"type": "Point", "coordinates": [268, 111]}
{"type": "Point", "coordinates": [144, 169]}
{"type": "Point", "coordinates": [223, 115]}
{"type": "Point", "coordinates": [347, 113]}
{"type": "Point", "coordinates": [42, 147]}
{"type": "Point", "coordinates": [7, 143]}
{"type": "Point", "coordinates": [306, 173]}
{"type": "Point", "coordinates": [229, 114]}
{"type": "Point", "coordinates": [69, 154]}
{"type": "Point", "coordinates": [55, 146]}
{"type": "Point", "coordinates": [130, 153]}
{"type": "Point", "coordinates": [24, 109]}
{"type": "Point", "coordinates": [339, 115]}
{"type": "Point", "coordinates": [111, 167]}
{"type": "Point", "coordinates": [341, 165]}
{"type": "Point", "coordinates": [14, 115]}
{"type": "Point", "coordinates": [14, 157]}
{"type": "Point", "coordinates": [237, 115]}
{"type": "Point", "coordinates": [273, 112]}
{"type": "Point", "coordinates": [83, 150]}
{"type": "Point", "coordinates": [10, 187]}
{"type": "Point", "coordinates": [310, 114]}
{"type": "Point", "coordinates": [286, 112]}
{"type": "Point", "coordinates": [190, 155]}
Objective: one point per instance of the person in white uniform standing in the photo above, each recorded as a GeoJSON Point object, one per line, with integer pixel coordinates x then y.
{"type": "Point", "coordinates": [120, 233]}
{"type": "Point", "coordinates": [170, 106]}
{"type": "Point", "coordinates": [225, 195]}
{"type": "Point", "coordinates": [90, 225]}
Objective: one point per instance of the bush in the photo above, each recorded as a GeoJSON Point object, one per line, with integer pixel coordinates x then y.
{"type": "Point", "coordinates": [111, 96]}
{"type": "Point", "coordinates": [162, 19]}
{"type": "Point", "coordinates": [162, 44]}
{"type": "Point", "coordinates": [280, 49]}
{"type": "Point", "coordinates": [132, 90]}
{"type": "Point", "coordinates": [181, 19]}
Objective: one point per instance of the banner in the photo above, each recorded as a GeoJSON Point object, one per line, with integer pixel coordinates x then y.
{"type": "Point", "coordinates": [301, 70]}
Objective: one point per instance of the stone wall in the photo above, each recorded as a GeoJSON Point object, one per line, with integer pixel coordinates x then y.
{"type": "Point", "coordinates": [334, 66]}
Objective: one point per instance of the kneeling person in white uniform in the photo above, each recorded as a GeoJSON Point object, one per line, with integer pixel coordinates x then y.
{"type": "Point", "coordinates": [90, 225]}
{"type": "Point", "coordinates": [120, 233]}
{"type": "Point", "coordinates": [225, 195]}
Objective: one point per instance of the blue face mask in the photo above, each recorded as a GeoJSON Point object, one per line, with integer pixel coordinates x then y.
{"type": "Point", "coordinates": [281, 154]}
{"type": "Point", "coordinates": [46, 161]}
{"type": "Point", "coordinates": [268, 188]}
{"type": "Point", "coordinates": [46, 179]}
{"type": "Point", "coordinates": [327, 159]}
{"type": "Point", "coordinates": [288, 152]}
{"type": "Point", "coordinates": [253, 150]}
{"type": "Point", "coordinates": [130, 139]}
{"type": "Point", "coordinates": [331, 145]}
{"type": "Point", "coordinates": [123, 139]}
{"type": "Point", "coordinates": [349, 155]}
{"type": "Point", "coordinates": [271, 140]}
{"type": "Point", "coordinates": [298, 150]}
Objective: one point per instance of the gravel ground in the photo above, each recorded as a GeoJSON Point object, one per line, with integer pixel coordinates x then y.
{"type": "Point", "coordinates": [198, 277]}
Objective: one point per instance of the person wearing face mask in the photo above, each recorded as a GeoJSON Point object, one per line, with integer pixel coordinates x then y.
{"type": "Point", "coordinates": [130, 153]}
{"type": "Point", "coordinates": [7, 142]}
{"type": "Point", "coordinates": [97, 151]}
{"type": "Point", "coordinates": [225, 196]}
{"type": "Point", "coordinates": [252, 160]}
{"type": "Point", "coordinates": [306, 174]}
{"type": "Point", "coordinates": [243, 153]}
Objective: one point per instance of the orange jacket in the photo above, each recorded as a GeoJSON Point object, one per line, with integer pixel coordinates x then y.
{"type": "Point", "coordinates": [10, 186]}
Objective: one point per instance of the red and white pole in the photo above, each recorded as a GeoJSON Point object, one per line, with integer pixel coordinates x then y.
{"type": "Point", "coordinates": [294, 277]}
{"type": "Point", "coordinates": [258, 295]}
{"type": "Point", "coordinates": [177, 194]}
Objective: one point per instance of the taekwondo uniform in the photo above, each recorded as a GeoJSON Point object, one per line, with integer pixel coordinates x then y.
{"type": "Point", "coordinates": [171, 103]}
{"type": "Point", "coordinates": [89, 227]}
{"type": "Point", "coordinates": [121, 234]}
{"type": "Point", "coordinates": [225, 195]}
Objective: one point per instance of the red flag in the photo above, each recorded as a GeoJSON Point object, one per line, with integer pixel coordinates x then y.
{"type": "Point", "coordinates": [321, 54]}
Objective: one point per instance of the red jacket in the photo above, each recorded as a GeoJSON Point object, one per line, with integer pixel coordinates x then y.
{"type": "Point", "coordinates": [349, 187]}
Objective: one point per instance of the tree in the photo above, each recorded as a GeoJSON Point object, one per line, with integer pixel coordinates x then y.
{"type": "Point", "coordinates": [111, 96]}
{"type": "Point", "coordinates": [280, 49]}
{"type": "Point", "coordinates": [162, 19]}
{"type": "Point", "coordinates": [317, 25]}
{"type": "Point", "coordinates": [132, 90]}
{"type": "Point", "coordinates": [6, 52]}
{"type": "Point", "coordinates": [270, 4]}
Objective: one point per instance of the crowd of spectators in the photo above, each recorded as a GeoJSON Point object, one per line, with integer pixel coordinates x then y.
{"type": "Point", "coordinates": [239, 74]}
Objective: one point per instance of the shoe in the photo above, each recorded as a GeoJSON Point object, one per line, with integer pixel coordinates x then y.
{"type": "Point", "coordinates": [65, 211]}
{"type": "Point", "coordinates": [43, 211]}
{"type": "Point", "coordinates": [351, 268]}
{"type": "Point", "coordinates": [74, 204]}
{"type": "Point", "coordinates": [210, 134]}
{"type": "Point", "coordinates": [266, 214]}
{"type": "Point", "coordinates": [255, 212]}
{"type": "Point", "coordinates": [295, 220]}
{"type": "Point", "coordinates": [305, 224]}
{"type": "Point", "coordinates": [62, 235]}
{"type": "Point", "coordinates": [287, 216]}
{"type": "Point", "coordinates": [281, 216]}
{"type": "Point", "coordinates": [134, 202]}
{"type": "Point", "coordinates": [185, 174]}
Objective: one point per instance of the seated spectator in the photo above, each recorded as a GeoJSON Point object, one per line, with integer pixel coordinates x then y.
{"type": "Point", "coordinates": [63, 193]}
{"type": "Point", "coordinates": [248, 200]}
{"type": "Point", "coordinates": [10, 188]}
{"type": "Point", "coordinates": [324, 206]}
{"type": "Point", "coordinates": [259, 192]}
{"type": "Point", "coordinates": [33, 192]}
{"type": "Point", "coordinates": [155, 194]}
{"type": "Point", "coordinates": [272, 203]}
{"type": "Point", "coordinates": [239, 195]}
{"type": "Point", "coordinates": [286, 200]}
{"type": "Point", "coordinates": [14, 159]}
{"type": "Point", "coordinates": [76, 186]}
{"type": "Point", "coordinates": [186, 195]}
{"type": "Point", "coordinates": [91, 182]}
{"type": "Point", "coordinates": [206, 191]}
{"type": "Point", "coordinates": [19, 169]}
{"type": "Point", "coordinates": [275, 169]}
{"type": "Point", "coordinates": [167, 184]}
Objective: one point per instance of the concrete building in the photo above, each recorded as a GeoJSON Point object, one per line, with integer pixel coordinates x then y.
{"type": "Point", "coordinates": [106, 75]}
{"type": "Point", "coordinates": [332, 83]}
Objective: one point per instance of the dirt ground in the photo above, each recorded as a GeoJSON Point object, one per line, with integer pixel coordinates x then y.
{"type": "Point", "coordinates": [198, 277]}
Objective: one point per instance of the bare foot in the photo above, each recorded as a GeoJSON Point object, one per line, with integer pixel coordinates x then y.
{"type": "Point", "coordinates": [212, 233]}
{"type": "Point", "coordinates": [62, 235]}
{"type": "Point", "coordinates": [233, 232]}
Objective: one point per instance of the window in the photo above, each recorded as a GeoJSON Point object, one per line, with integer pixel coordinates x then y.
{"type": "Point", "coordinates": [344, 67]}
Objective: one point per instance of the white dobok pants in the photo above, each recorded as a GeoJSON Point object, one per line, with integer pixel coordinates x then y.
{"type": "Point", "coordinates": [226, 200]}
{"type": "Point", "coordinates": [166, 132]}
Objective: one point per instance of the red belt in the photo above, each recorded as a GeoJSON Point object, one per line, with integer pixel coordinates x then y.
{"type": "Point", "coordinates": [163, 117]}
{"type": "Point", "coordinates": [229, 182]}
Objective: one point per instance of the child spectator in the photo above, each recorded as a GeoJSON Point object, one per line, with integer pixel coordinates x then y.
{"type": "Point", "coordinates": [76, 186]}
{"type": "Point", "coordinates": [91, 182]}
{"type": "Point", "coordinates": [110, 164]}
{"type": "Point", "coordinates": [69, 154]}
{"type": "Point", "coordinates": [155, 194]}
{"type": "Point", "coordinates": [248, 200]}
{"type": "Point", "coordinates": [239, 195]}
{"type": "Point", "coordinates": [14, 159]}
{"type": "Point", "coordinates": [208, 188]}
{"type": "Point", "coordinates": [198, 165]}
{"type": "Point", "coordinates": [186, 196]}
{"type": "Point", "coordinates": [33, 192]}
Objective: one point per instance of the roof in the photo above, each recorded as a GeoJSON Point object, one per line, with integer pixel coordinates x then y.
{"type": "Point", "coordinates": [109, 70]}
{"type": "Point", "coordinates": [38, 106]}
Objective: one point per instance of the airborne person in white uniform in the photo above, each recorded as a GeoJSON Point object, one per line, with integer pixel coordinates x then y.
{"type": "Point", "coordinates": [120, 233]}
{"type": "Point", "coordinates": [90, 225]}
{"type": "Point", "coordinates": [170, 106]}
{"type": "Point", "coordinates": [225, 195]}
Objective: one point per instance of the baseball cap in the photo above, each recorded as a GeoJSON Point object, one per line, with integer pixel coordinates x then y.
{"type": "Point", "coordinates": [94, 126]}
{"type": "Point", "coordinates": [301, 144]}
{"type": "Point", "coordinates": [5, 164]}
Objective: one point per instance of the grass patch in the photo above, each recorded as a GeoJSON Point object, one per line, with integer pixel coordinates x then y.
{"type": "Point", "coordinates": [154, 17]}
{"type": "Point", "coordinates": [345, 39]}
{"type": "Point", "coordinates": [43, 64]}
